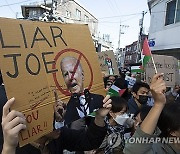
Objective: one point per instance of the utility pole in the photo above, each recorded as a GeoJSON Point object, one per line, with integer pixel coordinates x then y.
{"type": "Point", "coordinates": [121, 54]}
{"type": "Point", "coordinates": [120, 32]}
{"type": "Point", "coordinates": [140, 38]}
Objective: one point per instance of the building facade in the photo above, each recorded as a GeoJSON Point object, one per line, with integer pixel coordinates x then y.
{"type": "Point", "coordinates": [165, 27]}
{"type": "Point", "coordinates": [131, 54]}
{"type": "Point", "coordinates": [67, 11]}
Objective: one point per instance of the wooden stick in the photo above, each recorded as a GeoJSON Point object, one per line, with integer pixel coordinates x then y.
{"type": "Point", "coordinates": [154, 64]}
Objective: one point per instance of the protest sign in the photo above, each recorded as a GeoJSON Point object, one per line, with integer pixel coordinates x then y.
{"type": "Point", "coordinates": [164, 64]}
{"type": "Point", "coordinates": [108, 63]}
{"type": "Point", "coordinates": [130, 80]}
{"type": "Point", "coordinates": [30, 58]}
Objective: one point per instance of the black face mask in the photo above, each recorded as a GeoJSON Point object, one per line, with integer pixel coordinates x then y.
{"type": "Point", "coordinates": [143, 99]}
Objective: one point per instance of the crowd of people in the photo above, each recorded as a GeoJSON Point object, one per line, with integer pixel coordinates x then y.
{"type": "Point", "coordinates": [147, 112]}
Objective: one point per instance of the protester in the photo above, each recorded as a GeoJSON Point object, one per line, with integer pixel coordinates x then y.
{"type": "Point", "coordinates": [140, 116]}
{"type": "Point", "coordinates": [117, 121]}
{"type": "Point", "coordinates": [147, 129]}
{"type": "Point", "coordinates": [13, 122]}
{"type": "Point", "coordinates": [173, 94]}
{"type": "Point", "coordinates": [112, 78]}
{"type": "Point", "coordinates": [169, 122]}
{"type": "Point", "coordinates": [121, 83]}
{"type": "Point", "coordinates": [107, 84]}
{"type": "Point", "coordinates": [82, 102]}
{"type": "Point", "coordinates": [140, 91]}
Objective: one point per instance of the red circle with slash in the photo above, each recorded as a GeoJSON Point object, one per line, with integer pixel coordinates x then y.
{"type": "Point", "coordinates": [66, 92]}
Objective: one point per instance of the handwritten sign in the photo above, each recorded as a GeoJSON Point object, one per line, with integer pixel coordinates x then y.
{"type": "Point", "coordinates": [30, 62]}
{"type": "Point", "coordinates": [131, 81]}
{"type": "Point", "coordinates": [164, 64]}
{"type": "Point", "coordinates": [108, 63]}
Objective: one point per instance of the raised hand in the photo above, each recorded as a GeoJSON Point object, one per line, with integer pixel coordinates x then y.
{"type": "Point", "coordinates": [158, 89]}
{"type": "Point", "coordinates": [12, 123]}
{"type": "Point", "coordinates": [59, 108]}
{"type": "Point", "coordinates": [106, 106]}
{"type": "Point", "coordinates": [101, 113]}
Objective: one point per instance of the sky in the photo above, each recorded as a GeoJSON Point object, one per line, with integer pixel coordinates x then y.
{"type": "Point", "coordinates": [110, 13]}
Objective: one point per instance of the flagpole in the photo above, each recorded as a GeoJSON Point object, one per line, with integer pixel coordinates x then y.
{"type": "Point", "coordinates": [153, 63]}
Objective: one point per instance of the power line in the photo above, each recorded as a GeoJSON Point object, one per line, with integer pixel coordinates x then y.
{"type": "Point", "coordinates": [9, 7]}
{"type": "Point", "coordinates": [110, 5]}
{"type": "Point", "coordinates": [134, 14]}
{"type": "Point", "coordinates": [117, 7]}
{"type": "Point", "coordinates": [119, 16]}
{"type": "Point", "coordinates": [113, 6]}
{"type": "Point", "coordinates": [15, 3]}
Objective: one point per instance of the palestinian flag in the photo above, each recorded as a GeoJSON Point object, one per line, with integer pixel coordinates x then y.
{"type": "Point", "coordinates": [146, 53]}
{"type": "Point", "coordinates": [115, 91]}
{"type": "Point", "coordinates": [136, 69]}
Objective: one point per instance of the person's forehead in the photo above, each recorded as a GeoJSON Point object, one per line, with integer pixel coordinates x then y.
{"type": "Point", "coordinates": [177, 86]}
{"type": "Point", "coordinates": [68, 63]}
{"type": "Point", "coordinates": [123, 110]}
{"type": "Point", "coordinates": [143, 89]}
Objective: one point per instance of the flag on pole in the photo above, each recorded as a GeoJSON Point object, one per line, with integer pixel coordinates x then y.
{"type": "Point", "coordinates": [115, 91]}
{"type": "Point", "coordinates": [136, 69]}
{"type": "Point", "coordinates": [146, 53]}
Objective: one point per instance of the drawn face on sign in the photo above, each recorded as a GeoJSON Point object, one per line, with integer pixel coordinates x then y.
{"type": "Point", "coordinates": [73, 74]}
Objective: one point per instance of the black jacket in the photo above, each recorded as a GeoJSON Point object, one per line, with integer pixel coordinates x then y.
{"type": "Point", "coordinates": [72, 140]}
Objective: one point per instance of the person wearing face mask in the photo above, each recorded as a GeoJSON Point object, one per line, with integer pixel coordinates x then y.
{"type": "Point", "coordinates": [140, 92]}
{"type": "Point", "coordinates": [173, 94]}
{"type": "Point", "coordinates": [116, 121]}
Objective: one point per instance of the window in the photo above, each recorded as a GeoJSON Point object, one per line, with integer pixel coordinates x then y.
{"type": "Point", "coordinates": [178, 12]}
{"type": "Point", "coordinates": [78, 14]}
{"type": "Point", "coordinates": [34, 12]}
{"type": "Point", "coordinates": [172, 12]}
{"type": "Point", "coordinates": [68, 14]}
{"type": "Point", "coordinates": [86, 18]}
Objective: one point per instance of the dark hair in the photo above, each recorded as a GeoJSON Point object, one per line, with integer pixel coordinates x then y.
{"type": "Point", "coordinates": [169, 119]}
{"type": "Point", "coordinates": [106, 82]}
{"type": "Point", "coordinates": [144, 111]}
{"type": "Point", "coordinates": [121, 83]}
{"type": "Point", "coordinates": [115, 76]}
{"type": "Point", "coordinates": [138, 85]}
{"type": "Point", "coordinates": [118, 103]}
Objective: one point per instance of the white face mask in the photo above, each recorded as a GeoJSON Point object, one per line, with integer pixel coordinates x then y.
{"type": "Point", "coordinates": [121, 119]}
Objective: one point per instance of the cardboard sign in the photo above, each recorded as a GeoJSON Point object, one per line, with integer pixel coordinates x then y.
{"type": "Point", "coordinates": [30, 62]}
{"type": "Point", "coordinates": [130, 80]}
{"type": "Point", "coordinates": [108, 63]}
{"type": "Point", "coordinates": [164, 64]}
